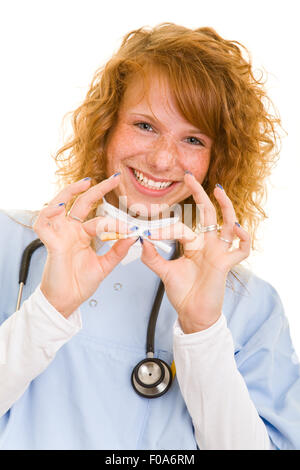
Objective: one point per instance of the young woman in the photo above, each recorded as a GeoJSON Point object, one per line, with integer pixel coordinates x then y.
{"type": "Point", "coordinates": [175, 119]}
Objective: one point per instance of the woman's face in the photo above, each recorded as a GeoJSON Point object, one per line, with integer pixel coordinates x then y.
{"type": "Point", "coordinates": [152, 145]}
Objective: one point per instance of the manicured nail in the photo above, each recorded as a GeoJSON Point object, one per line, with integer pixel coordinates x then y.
{"type": "Point", "coordinates": [85, 179]}
{"type": "Point", "coordinates": [141, 240]}
{"type": "Point", "coordinates": [114, 175]}
{"type": "Point", "coordinates": [237, 224]}
{"type": "Point", "coordinates": [135, 227]}
{"type": "Point", "coordinates": [219, 186]}
{"type": "Point", "coordinates": [61, 204]}
{"type": "Point", "coordinates": [188, 172]}
{"type": "Point", "coordinates": [147, 233]}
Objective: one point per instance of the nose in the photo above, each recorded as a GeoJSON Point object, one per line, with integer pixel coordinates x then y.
{"type": "Point", "coordinates": [163, 155]}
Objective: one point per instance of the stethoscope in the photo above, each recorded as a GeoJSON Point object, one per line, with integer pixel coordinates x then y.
{"type": "Point", "coordinates": [151, 377]}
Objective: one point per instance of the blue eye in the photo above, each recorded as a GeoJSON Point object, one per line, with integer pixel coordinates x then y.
{"type": "Point", "coordinates": [194, 141]}
{"type": "Point", "coordinates": [144, 126]}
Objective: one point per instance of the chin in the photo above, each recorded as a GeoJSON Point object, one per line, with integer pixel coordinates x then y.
{"type": "Point", "coordinates": [148, 209]}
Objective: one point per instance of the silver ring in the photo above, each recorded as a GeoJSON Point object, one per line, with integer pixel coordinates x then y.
{"type": "Point", "coordinates": [224, 240]}
{"type": "Point", "coordinates": [75, 218]}
{"type": "Point", "coordinates": [208, 228]}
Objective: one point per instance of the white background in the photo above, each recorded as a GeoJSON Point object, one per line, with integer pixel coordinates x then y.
{"type": "Point", "coordinates": [49, 52]}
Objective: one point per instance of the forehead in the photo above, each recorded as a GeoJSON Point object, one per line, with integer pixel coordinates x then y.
{"type": "Point", "coordinates": [151, 91]}
{"type": "Point", "coordinates": [169, 99]}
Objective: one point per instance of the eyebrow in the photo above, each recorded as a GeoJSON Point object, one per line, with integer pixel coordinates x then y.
{"type": "Point", "coordinates": [193, 130]}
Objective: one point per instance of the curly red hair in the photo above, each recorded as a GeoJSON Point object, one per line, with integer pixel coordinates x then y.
{"type": "Point", "coordinates": [215, 89]}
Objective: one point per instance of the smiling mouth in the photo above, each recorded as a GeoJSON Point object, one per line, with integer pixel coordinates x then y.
{"type": "Point", "coordinates": [147, 182]}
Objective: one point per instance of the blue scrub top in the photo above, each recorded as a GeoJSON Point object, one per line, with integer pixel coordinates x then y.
{"type": "Point", "coordinates": [85, 400]}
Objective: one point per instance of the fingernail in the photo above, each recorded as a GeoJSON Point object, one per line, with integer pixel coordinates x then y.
{"type": "Point", "coordinates": [147, 233]}
{"type": "Point", "coordinates": [114, 175]}
{"type": "Point", "coordinates": [219, 186]}
{"type": "Point", "coordinates": [141, 240]}
{"type": "Point", "coordinates": [85, 179]}
{"type": "Point", "coordinates": [61, 204]}
{"type": "Point", "coordinates": [135, 227]}
{"type": "Point", "coordinates": [188, 172]}
{"type": "Point", "coordinates": [236, 223]}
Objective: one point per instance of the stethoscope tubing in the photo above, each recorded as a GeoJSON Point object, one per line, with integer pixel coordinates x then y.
{"type": "Point", "coordinates": [24, 267]}
{"type": "Point", "coordinates": [163, 384]}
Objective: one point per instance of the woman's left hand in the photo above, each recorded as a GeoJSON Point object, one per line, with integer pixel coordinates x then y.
{"type": "Point", "coordinates": [195, 282]}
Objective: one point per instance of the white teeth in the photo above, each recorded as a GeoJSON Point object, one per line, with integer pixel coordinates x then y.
{"type": "Point", "coordinates": [143, 180]}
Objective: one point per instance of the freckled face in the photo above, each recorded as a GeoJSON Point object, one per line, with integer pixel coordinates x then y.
{"type": "Point", "coordinates": [152, 145]}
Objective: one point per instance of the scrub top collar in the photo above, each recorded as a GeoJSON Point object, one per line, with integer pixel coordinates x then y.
{"type": "Point", "coordinates": [135, 250]}
{"type": "Point", "coordinates": [109, 209]}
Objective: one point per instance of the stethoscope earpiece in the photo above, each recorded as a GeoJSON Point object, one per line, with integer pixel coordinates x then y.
{"type": "Point", "coordinates": [151, 378]}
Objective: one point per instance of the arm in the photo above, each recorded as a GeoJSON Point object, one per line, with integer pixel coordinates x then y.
{"type": "Point", "coordinates": [223, 414]}
{"type": "Point", "coordinates": [29, 340]}
{"type": "Point", "coordinates": [264, 371]}
{"type": "Point", "coordinates": [195, 285]}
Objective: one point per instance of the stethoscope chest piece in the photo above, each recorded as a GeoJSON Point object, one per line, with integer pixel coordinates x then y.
{"type": "Point", "coordinates": [151, 377]}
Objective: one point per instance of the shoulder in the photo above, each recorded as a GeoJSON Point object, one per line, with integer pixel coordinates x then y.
{"type": "Point", "coordinates": [24, 218]}
{"type": "Point", "coordinates": [247, 286]}
{"type": "Point", "coordinates": [250, 303]}
{"type": "Point", "coordinates": [16, 223]}
{"type": "Point", "coordinates": [16, 231]}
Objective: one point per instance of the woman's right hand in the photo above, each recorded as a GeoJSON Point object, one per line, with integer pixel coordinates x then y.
{"type": "Point", "coordinates": [73, 270]}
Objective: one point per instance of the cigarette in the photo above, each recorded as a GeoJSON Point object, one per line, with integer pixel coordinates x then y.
{"type": "Point", "coordinates": [105, 236]}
